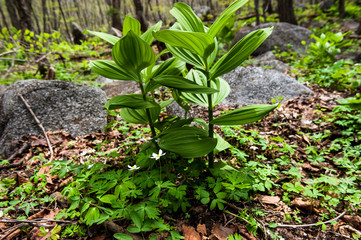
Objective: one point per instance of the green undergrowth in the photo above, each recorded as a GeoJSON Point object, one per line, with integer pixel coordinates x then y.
{"type": "Point", "coordinates": [21, 52]}
{"type": "Point", "coordinates": [139, 198]}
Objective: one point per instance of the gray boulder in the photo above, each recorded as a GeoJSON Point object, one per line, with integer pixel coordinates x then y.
{"type": "Point", "coordinates": [283, 36]}
{"type": "Point", "coordinates": [269, 60]}
{"type": "Point", "coordinates": [114, 88]}
{"type": "Point", "coordinates": [78, 35]}
{"type": "Point", "coordinates": [59, 105]}
{"type": "Point", "coordinates": [2, 90]}
{"type": "Point", "coordinates": [258, 85]}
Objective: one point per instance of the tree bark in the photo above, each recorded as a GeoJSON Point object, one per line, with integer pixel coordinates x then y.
{"type": "Point", "coordinates": [66, 25]}
{"type": "Point", "coordinates": [256, 7]}
{"type": "Point", "coordinates": [45, 14]}
{"type": "Point", "coordinates": [139, 12]}
{"type": "Point", "coordinates": [341, 8]}
{"type": "Point", "coordinates": [358, 31]}
{"type": "Point", "coordinates": [4, 18]}
{"type": "Point", "coordinates": [24, 13]}
{"type": "Point", "coordinates": [286, 12]}
{"type": "Point", "coordinates": [14, 19]}
{"type": "Point", "coordinates": [115, 13]}
{"type": "Point", "coordinates": [267, 6]}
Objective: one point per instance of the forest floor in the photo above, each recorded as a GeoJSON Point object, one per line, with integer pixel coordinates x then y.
{"type": "Point", "coordinates": [286, 122]}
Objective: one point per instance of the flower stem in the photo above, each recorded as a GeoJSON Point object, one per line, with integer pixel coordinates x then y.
{"type": "Point", "coordinates": [147, 111]}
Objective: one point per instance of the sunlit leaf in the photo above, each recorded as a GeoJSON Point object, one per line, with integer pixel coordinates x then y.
{"type": "Point", "coordinates": [240, 52]}
{"type": "Point", "coordinates": [201, 44]}
{"type": "Point", "coordinates": [148, 35]}
{"type": "Point", "coordinates": [186, 17]}
{"type": "Point", "coordinates": [202, 99]}
{"type": "Point", "coordinates": [133, 53]}
{"type": "Point", "coordinates": [105, 36]}
{"type": "Point", "coordinates": [244, 115]}
{"type": "Point", "coordinates": [171, 66]}
{"type": "Point", "coordinates": [111, 70]}
{"type": "Point", "coordinates": [134, 101]}
{"type": "Point", "coordinates": [183, 84]}
{"type": "Point", "coordinates": [221, 21]}
{"type": "Point", "coordinates": [131, 24]}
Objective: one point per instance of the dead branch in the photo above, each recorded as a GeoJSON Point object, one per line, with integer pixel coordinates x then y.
{"type": "Point", "coordinates": [19, 152]}
{"type": "Point", "coordinates": [11, 67]}
{"type": "Point", "coordinates": [40, 125]}
{"type": "Point", "coordinates": [8, 52]}
{"type": "Point", "coordinates": [311, 225]}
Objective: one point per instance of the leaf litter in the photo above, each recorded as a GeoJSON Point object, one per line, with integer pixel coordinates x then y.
{"type": "Point", "coordinates": [295, 117]}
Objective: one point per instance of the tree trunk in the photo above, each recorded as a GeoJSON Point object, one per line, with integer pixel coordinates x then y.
{"type": "Point", "coordinates": [139, 12]}
{"type": "Point", "coordinates": [55, 23]}
{"type": "Point", "coordinates": [256, 7]}
{"type": "Point", "coordinates": [45, 14]}
{"type": "Point", "coordinates": [115, 14]}
{"type": "Point", "coordinates": [66, 25]}
{"type": "Point", "coordinates": [341, 8]}
{"type": "Point", "coordinates": [267, 6]}
{"type": "Point", "coordinates": [4, 18]}
{"type": "Point", "coordinates": [34, 14]}
{"type": "Point", "coordinates": [22, 7]}
{"type": "Point", "coordinates": [10, 5]}
{"type": "Point", "coordinates": [286, 12]}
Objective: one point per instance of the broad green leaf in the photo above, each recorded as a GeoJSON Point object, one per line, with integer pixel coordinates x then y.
{"type": "Point", "coordinates": [189, 142]}
{"type": "Point", "coordinates": [108, 198]}
{"type": "Point", "coordinates": [133, 53]}
{"type": "Point", "coordinates": [183, 84]}
{"type": "Point", "coordinates": [198, 43]}
{"type": "Point", "coordinates": [221, 144]}
{"type": "Point", "coordinates": [202, 99]}
{"type": "Point", "coordinates": [221, 21]}
{"type": "Point", "coordinates": [186, 17]}
{"type": "Point", "coordinates": [105, 36]}
{"type": "Point", "coordinates": [110, 69]}
{"type": "Point", "coordinates": [133, 101]}
{"type": "Point", "coordinates": [139, 116]}
{"type": "Point", "coordinates": [239, 52]}
{"type": "Point", "coordinates": [244, 115]}
{"type": "Point", "coordinates": [131, 24]}
{"type": "Point", "coordinates": [148, 35]}
{"type": "Point", "coordinates": [91, 214]}
{"type": "Point", "coordinates": [122, 236]}
{"type": "Point", "coordinates": [222, 169]}
{"type": "Point", "coordinates": [171, 66]}
{"type": "Point", "coordinates": [186, 56]}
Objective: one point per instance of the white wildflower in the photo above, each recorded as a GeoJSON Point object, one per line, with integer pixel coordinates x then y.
{"type": "Point", "coordinates": [254, 148]}
{"type": "Point", "coordinates": [158, 155]}
{"type": "Point", "coordinates": [131, 168]}
{"type": "Point", "coordinates": [306, 121]}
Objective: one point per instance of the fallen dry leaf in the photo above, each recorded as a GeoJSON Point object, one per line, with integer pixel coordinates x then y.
{"type": "Point", "coordinates": [222, 232]}
{"type": "Point", "coordinates": [269, 199]}
{"type": "Point", "coordinates": [190, 233]}
{"type": "Point", "coordinates": [201, 228]}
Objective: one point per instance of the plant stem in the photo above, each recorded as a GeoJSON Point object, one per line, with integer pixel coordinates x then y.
{"type": "Point", "coordinates": [147, 111]}
{"type": "Point", "coordinates": [210, 126]}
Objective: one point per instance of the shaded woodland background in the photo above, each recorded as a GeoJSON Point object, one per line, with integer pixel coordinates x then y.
{"type": "Point", "coordinates": [48, 15]}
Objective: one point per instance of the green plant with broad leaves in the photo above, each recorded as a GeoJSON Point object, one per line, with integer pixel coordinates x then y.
{"type": "Point", "coordinates": [191, 42]}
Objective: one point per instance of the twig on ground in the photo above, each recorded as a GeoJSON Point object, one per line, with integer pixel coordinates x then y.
{"type": "Point", "coordinates": [5, 53]}
{"type": "Point", "coordinates": [11, 165]}
{"type": "Point", "coordinates": [13, 232]}
{"type": "Point", "coordinates": [39, 220]}
{"type": "Point", "coordinates": [11, 67]}
{"type": "Point", "coordinates": [310, 225]}
{"type": "Point", "coordinates": [40, 125]}
{"type": "Point", "coordinates": [19, 152]}
{"type": "Point", "coordinates": [340, 235]}
{"type": "Point", "coordinates": [42, 57]}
